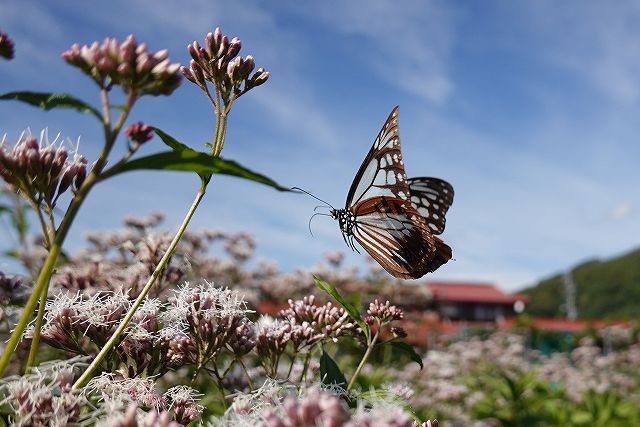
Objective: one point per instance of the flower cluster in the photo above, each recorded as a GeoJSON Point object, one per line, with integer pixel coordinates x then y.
{"type": "Point", "coordinates": [275, 406]}
{"type": "Point", "coordinates": [139, 133]}
{"type": "Point", "coordinates": [177, 404]}
{"type": "Point", "coordinates": [303, 325]}
{"type": "Point", "coordinates": [7, 49]}
{"type": "Point", "coordinates": [128, 64]}
{"type": "Point", "coordinates": [312, 323]}
{"type": "Point", "coordinates": [44, 397]}
{"type": "Point", "coordinates": [131, 418]}
{"type": "Point", "coordinates": [214, 319]}
{"type": "Point", "coordinates": [12, 289]}
{"type": "Point", "coordinates": [218, 62]}
{"type": "Point", "coordinates": [41, 172]}
{"type": "Point", "coordinates": [382, 313]}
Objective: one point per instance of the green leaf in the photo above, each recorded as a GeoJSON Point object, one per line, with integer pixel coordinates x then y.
{"type": "Point", "coordinates": [353, 312]}
{"type": "Point", "coordinates": [12, 253]}
{"type": "Point", "coordinates": [193, 161]}
{"type": "Point", "coordinates": [408, 349]}
{"type": "Point", "coordinates": [330, 373]}
{"type": "Point", "coordinates": [49, 101]}
{"type": "Point", "coordinates": [171, 142]}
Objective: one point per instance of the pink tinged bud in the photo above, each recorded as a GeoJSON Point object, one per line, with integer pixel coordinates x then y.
{"type": "Point", "coordinates": [128, 50]}
{"type": "Point", "coordinates": [196, 72]}
{"type": "Point", "coordinates": [233, 65]}
{"type": "Point", "coordinates": [249, 65]}
{"type": "Point", "coordinates": [259, 77]}
{"type": "Point", "coordinates": [123, 70]}
{"type": "Point", "coordinates": [194, 50]}
{"type": "Point", "coordinates": [224, 45]}
{"type": "Point", "coordinates": [139, 132]}
{"type": "Point", "coordinates": [162, 67]}
{"type": "Point", "coordinates": [31, 143]}
{"type": "Point", "coordinates": [187, 73]}
{"type": "Point", "coordinates": [144, 64]}
{"type": "Point", "coordinates": [234, 48]}
{"type": "Point", "coordinates": [80, 175]}
{"type": "Point", "coordinates": [161, 55]}
{"type": "Point", "coordinates": [67, 178]}
{"type": "Point", "coordinates": [211, 44]}
{"type": "Point", "coordinates": [7, 48]}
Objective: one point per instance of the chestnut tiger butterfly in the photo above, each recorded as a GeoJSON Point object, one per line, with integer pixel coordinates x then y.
{"type": "Point", "coordinates": [395, 219]}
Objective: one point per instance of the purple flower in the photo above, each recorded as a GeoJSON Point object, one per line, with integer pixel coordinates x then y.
{"type": "Point", "coordinates": [41, 172]}
{"type": "Point", "coordinates": [7, 49]}
{"type": "Point", "coordinates": [128, 64]}
{"type": "Point", "coordinates": [139, 132]}
{"type": "Point", "coordinates": [218, 63]}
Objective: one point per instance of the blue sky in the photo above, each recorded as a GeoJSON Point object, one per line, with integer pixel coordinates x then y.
{"type": "Point", "coordinates": [530, 109]}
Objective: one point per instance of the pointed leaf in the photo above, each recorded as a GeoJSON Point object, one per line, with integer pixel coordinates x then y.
{"type": "Point", "coordinates": [171, 142]}
{"type": "Point", "coordinates": [408, 349]}
{"type": "Point", "coordinates": [353, 312]}
{"type": "Point", "coordinates": [189, 160]}
{"type": "Point", "coordinates": [330, 373]}
{"type": "Point", "coordinates": [49, 101]}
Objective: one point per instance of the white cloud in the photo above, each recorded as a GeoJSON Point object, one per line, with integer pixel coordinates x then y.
{"type": "Point", "coordinates": [622, 211]}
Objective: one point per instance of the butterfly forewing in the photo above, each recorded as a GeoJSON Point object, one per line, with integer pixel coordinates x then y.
{"type": "Point", "coordinates": [395, 235]}
{"type": "Point", "coordinates": [382, 172]}
{"type": "Point", "coordinates": [431, 197]}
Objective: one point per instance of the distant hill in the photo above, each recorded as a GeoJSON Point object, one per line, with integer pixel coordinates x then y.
{"type": "Point", "coordinates": [604, 289]}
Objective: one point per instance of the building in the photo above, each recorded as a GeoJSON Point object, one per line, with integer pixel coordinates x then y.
{"type": "Point", "coordinates": [475, 302]}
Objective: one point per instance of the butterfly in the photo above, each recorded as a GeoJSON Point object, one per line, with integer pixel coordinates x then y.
{"type": "Point", "coordinates": [395, 219]}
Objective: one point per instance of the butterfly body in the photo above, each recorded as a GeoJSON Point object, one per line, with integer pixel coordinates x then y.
{"type": "Point", "coordinates": [393, 218]}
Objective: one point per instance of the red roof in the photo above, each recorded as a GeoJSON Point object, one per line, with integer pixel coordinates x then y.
{"type": "Point", "coordinates": [472, 292]}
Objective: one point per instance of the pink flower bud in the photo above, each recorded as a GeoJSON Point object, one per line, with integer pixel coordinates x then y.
{"type": "Point", "coordinates": [7, 48]}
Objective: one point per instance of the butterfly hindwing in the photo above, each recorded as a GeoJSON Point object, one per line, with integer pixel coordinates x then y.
{"type": "Point", "coordinates": [395, 235]}
{"type": "Point", "coordinates": [431, 197]}
{"type": "Point", "coordinates": [382, 172]}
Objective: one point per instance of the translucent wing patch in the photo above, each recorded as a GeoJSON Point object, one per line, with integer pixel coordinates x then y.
{"type": "Point", "coordinates": [432, 197]}
{"type": "Point", "coordinates": [397, 237]}
{"type": "Point", "coordinates": [382, 172]}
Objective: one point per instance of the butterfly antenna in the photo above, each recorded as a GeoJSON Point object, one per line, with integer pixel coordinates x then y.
{"type": "Point", "coordinates": [317, 198]}
{"type": "Point", "coordinates": [315, 214]}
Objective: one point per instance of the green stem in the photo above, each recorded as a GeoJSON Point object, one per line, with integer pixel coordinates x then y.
{"type": "Point", "coordinates": [246, 372]}
{"type": "Point", "coordinates": [305, 367]}
{"type": "Point", "coordinates": [33, 350]}
{"type": "Point", "coordinates": [220, 386]}
{"type": "Point", "coordinates": [372, 343]}
{"type": "Point", "coordinates": [40, 285]}
{"type": "Point", "coordinates": [293, 360]}
{"type": "Point", "coordinates": [154, 276]}
{"type": "Point", "coordinates": [221, 133]}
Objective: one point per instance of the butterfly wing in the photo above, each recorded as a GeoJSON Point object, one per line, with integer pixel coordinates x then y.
{"type": "Point", "coordinates": [432, 197]}
{"type": "Point", "coordinates": [397, 237]}
{"type": "Point", "coordinates": [382, 172]}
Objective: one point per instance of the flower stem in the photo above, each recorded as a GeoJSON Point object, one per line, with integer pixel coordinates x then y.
{"type": "Point", "coordinates": [86, 375]}
{"type": "Point", "coordinates": [246, 372]}
{"type": "Point", "coordinates": [372, 343]}
{"type": "Point", "coordinates": [33, 350]}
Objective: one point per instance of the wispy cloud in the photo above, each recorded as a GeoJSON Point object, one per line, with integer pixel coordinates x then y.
{"type": "Point", "coordinates": [408, 44]}
{"type": "Point", "coordinates": [622, 211]}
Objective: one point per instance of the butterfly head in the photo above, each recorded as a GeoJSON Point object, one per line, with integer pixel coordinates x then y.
{"type": "Point", "coordinates": [345, 219]}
